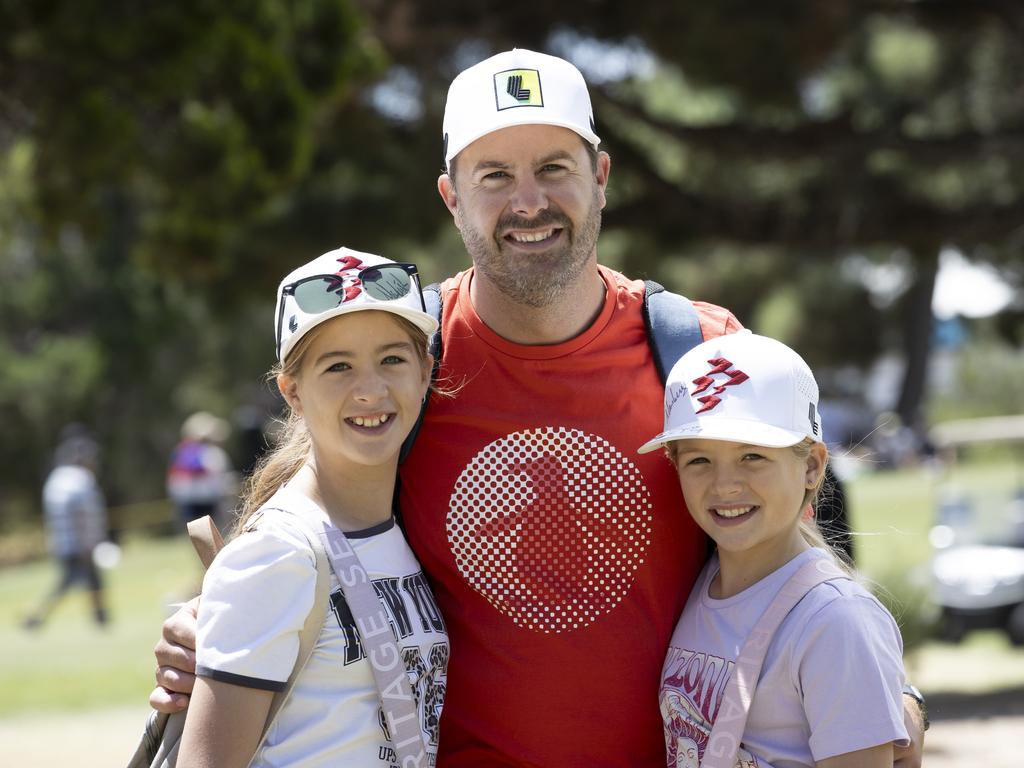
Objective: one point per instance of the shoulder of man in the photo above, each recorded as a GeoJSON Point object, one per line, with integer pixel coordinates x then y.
{"type": "Point", "coordinates": [716, 320]}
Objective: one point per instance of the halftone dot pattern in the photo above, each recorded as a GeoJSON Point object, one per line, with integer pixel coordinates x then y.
{"type": "Point", "coordinates": [550, 526]}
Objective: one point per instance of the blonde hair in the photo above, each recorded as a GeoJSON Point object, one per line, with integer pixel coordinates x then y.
{"type": "Point", "coordinates": [294, 446]}
{"type": "Point", "coordinates": [808, 524]}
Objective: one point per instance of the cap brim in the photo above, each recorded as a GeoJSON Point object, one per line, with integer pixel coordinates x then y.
{"type": "Point", "coordinates": [421, 320]}
{"type": "Point", "coordinates": [588, 136]}
{"type": "Point", "coordinates": [732, 430]}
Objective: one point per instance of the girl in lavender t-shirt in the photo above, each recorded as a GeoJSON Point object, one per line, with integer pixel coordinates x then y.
{"type": "Point", "coordinates": [742, 428]}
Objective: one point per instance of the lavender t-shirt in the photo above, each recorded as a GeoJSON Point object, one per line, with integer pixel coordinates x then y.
{"type": "Point", "coordinates": [831, 681]}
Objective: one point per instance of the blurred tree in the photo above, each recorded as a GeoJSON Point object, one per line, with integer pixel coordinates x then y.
{"type": "Point", "coordinates": [813, 130]}
{"type": "Point", "coordinates": [172, 160]}
{"type": "Point", "coordinates": [142, 144]}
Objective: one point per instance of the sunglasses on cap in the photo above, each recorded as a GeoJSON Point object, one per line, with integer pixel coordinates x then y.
{"type": "Point", "coordinates": [317, 294]}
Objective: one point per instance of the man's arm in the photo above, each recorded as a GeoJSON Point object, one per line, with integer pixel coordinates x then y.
{"type": "Point", "coordinates": [176, 660]}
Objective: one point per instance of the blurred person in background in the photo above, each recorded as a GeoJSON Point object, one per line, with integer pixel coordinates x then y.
{"type": "Point", "coordinates": [199, 476]}
{"type": "Point", "coordinates": [76, 523]}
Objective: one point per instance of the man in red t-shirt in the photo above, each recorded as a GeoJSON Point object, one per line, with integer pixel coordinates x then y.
{"type": "Point", "coordinates": [560, 558]}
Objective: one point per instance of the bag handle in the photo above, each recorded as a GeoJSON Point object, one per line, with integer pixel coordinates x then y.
{"type": "Point", "coordinates": [205, 538]}
{"type": "Point", "coordinates": [727, 732]}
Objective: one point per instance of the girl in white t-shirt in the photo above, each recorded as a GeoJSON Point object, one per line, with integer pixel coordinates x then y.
{"type": "Point", "coordinates": [742, 428]}
{"type": "Point", "coordinates": [351, 335]}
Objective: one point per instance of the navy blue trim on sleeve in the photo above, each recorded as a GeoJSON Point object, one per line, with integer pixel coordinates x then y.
{"type": "Point", "coordinates": [242, 680]}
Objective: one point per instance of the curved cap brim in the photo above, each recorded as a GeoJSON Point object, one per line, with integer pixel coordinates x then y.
{"type": "Point", "coordinates": [732, 430]}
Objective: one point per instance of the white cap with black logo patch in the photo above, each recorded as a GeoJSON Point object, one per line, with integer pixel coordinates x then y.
{"type": "Point", "coordinates": [517, 87]}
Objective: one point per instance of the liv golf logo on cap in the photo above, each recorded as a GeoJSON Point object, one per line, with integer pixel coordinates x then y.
{"type": "Point", "coordinates": [518, 88]}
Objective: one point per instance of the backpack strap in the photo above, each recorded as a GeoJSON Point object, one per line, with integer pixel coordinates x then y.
{"type": "Point", "coordinates": [434, 304]}
{"type": "Point", "coordinates": [672, 325]}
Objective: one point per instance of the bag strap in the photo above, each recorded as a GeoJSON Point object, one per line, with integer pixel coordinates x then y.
{"type": "Point", "coordinates": [205, 538]}
{"type": "Point", "coordinates": [672, 325]}
{"type": "Point", "coordinates": [727, 732]}
{"type": "Point", "coordinates": [434, 303]}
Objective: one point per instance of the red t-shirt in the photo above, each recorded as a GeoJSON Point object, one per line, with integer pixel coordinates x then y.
{"type": "Point", "coordinates": [561, 559]}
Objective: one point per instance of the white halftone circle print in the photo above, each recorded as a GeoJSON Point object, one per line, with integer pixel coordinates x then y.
{"type": "Point", "coordinates": [550, 525]}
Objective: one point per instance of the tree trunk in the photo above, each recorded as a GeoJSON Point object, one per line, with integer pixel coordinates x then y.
{"type": "Point", "coordinates": [917, 337]}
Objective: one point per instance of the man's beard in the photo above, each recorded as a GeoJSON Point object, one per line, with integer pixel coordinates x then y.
{"type": "Point", "coordinates": [534, 279]}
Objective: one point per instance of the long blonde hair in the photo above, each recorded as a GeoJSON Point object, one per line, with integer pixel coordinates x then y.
{"type": "Point", "coordinates": [809, 529]}
{"type": "Point", "coordinates": [294, 446]}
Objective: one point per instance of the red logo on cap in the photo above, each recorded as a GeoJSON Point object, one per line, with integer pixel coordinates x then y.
{"type": "Point", "coordinates": [721, 367]}
{"type": "Point", "coordinates": [354, 287]}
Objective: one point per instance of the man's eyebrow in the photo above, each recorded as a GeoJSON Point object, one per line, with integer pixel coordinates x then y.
{"type": "Point", "coordinates": [500, 165]}
{"type": "Point", "coordinates": [558, 154]}
{"type": "Point", "coordinates": [490, 164]}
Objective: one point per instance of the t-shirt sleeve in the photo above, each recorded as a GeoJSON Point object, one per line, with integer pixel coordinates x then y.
{"type": "Point", "coordinates": [256, 597]}
{"type": "Point", "coordinates": [716, 321]}
{"type": "Point", "coordinates": [849, 662]}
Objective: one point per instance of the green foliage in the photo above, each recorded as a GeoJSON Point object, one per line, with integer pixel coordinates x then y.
{"type": "Point", "coordinates": [140, 148]}
{"type": "Point", "coordinates": [199, 113]}
{"type": "Point", "coordinates": [161, 166]}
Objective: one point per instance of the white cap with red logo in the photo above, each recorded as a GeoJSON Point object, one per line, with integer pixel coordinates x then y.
{"type": "Point", "coordinates": [743, 388]}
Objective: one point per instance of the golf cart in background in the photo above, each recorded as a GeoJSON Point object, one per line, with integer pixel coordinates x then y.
{"type": "Point", "coordinates": [978, 536]}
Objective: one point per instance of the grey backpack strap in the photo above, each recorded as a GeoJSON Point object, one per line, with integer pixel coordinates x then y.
{"type": "Point", "coordinates": [434, 303]}
{"type": "Point", "coordinates": [398, 703]}
{"type": "Point", "coordinates": [672, 325]}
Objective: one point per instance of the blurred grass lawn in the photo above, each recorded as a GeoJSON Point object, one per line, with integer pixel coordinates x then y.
{"type": "Point", "coordinates": [72, 665]}
{"type": "Point", "coordinates": [893, 513]}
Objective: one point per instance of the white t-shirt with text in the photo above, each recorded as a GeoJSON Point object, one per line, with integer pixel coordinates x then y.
{"type": "Point", "coordinates": [256, 597]}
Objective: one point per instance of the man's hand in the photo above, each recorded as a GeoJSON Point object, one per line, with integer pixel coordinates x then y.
{"type": "Point", "coordinates": [176, 660]}
{"type": "Point", "coordinates": [911, 755]}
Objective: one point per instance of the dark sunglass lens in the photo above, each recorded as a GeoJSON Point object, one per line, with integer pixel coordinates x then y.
{"type": "Point", "coordinates": [315, 296]}
{"type": "Point", "coordinates": [386, 283]}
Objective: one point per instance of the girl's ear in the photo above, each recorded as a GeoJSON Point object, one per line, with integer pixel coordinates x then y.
{"type": "Point", "coordinates": [816, 460]}
{"type": "Point", "coordinates": [288, 386]}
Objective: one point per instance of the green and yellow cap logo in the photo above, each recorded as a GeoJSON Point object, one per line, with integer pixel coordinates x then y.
{"type": "Point", "coordinates": [518, 88]}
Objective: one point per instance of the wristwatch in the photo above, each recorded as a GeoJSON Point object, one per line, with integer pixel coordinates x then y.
{"type": "Point", "coordinates": [913, 692]}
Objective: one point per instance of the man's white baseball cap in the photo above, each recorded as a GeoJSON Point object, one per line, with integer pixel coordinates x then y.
{"type": "Point", "coordinates": [342, 281]}
{"type": "Point", "coordinates": [517, 87]}
{"type": "Point", "coordinates": [743, 388]}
